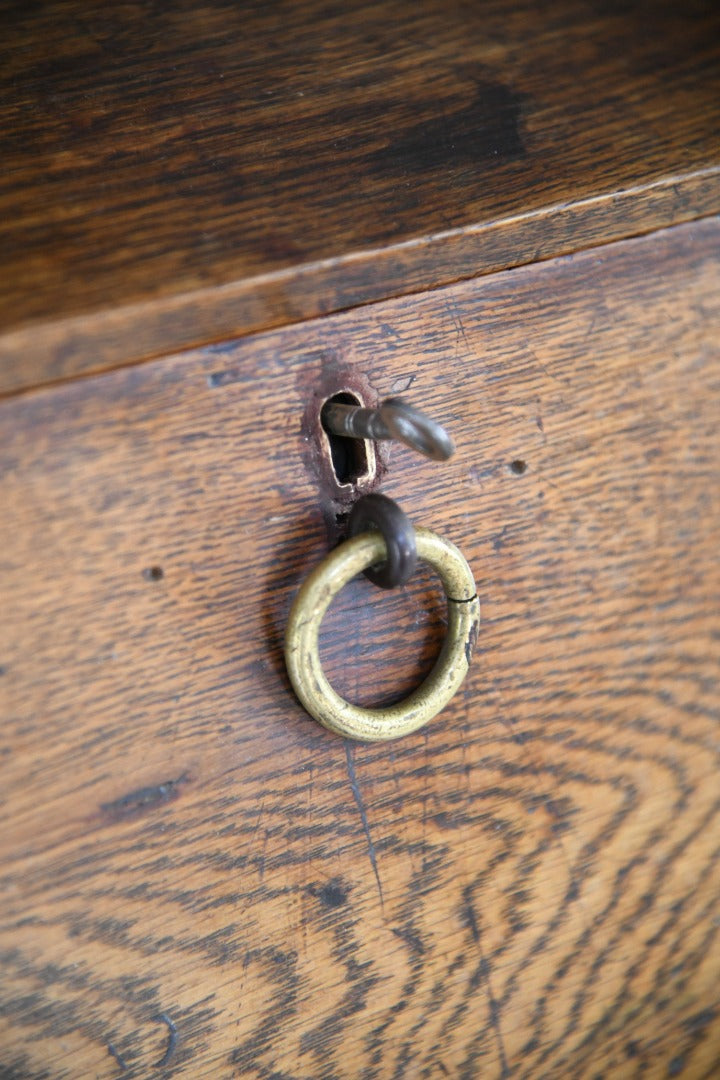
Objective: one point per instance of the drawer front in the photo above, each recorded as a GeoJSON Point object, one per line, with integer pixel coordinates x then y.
{"type": "Point", "coordinates": [196, 872]}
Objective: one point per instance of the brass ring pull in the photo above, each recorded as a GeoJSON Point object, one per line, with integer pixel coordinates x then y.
{"type": "Point", "coordinates": [308, 610]}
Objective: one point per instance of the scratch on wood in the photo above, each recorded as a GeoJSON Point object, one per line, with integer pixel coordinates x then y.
{"type": "Point", "coordinates": [162, 1018]}
{"type": "Point", "coordinates": [471, 642]}
{"type": "Point", "coordinates": [472, 922]}
{"type": "Point", "coordinates": [113, 1053]}
{"type": "Point", "coordinates": [354, 787]}
{"type": "Point", "coordinates": [454, 313]}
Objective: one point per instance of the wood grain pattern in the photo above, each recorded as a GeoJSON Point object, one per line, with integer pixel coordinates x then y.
{"type": "Point", "coordinates": [526, 888]}
{"type": "Point", "coordinates": [184, 172]}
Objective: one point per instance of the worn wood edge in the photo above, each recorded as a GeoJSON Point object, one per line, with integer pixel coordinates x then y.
{"type": "Point", "coordinates": [54, 351]}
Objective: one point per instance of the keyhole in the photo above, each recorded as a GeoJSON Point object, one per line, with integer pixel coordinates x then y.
{"type": "Point", "coordinates": [349, 457]}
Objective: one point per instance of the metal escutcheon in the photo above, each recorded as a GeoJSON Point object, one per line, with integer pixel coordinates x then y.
{"type": "Point", "coordinates": [439, 687]}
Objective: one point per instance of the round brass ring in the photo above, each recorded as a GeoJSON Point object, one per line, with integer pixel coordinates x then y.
{"type": "Point", "coordinates": [309, 608]}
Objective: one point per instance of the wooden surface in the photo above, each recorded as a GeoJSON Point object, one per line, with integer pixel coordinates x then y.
{"type": "Point", "coordinates": [528, 887]}
{"type": "Point", "coordinates": [178, 173]}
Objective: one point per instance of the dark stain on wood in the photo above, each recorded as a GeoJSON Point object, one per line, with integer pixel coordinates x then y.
{"type": "Point", "coordinates": [144, 799]}
{"type": "Point", "coordinates": [225, 378]}
{"type": "Point", "coordinates": [153, 573]}
{"type": "Point", "coordinates": [333, 894]}
{"type": "Point", "coordinates": [485, 131]}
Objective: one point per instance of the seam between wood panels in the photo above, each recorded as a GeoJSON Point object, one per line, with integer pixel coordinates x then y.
{"type": "Point", "coordinates": [15, 341]}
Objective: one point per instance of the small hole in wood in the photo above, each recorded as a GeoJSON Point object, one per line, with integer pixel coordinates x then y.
{"type": "Point", "coordinates": [333, 895]}
{"type": "Point", "coordinates": [349, 456]}
{"type": "Point", "coordinates": [153, 573]}
{"type": "Point", "coordinates": [518, 466]}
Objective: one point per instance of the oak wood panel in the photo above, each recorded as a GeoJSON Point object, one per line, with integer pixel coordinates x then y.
{"type": "Point", "coordinates": [528, 887]}
{"type": "Point", "coordinates": [183, 172]}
